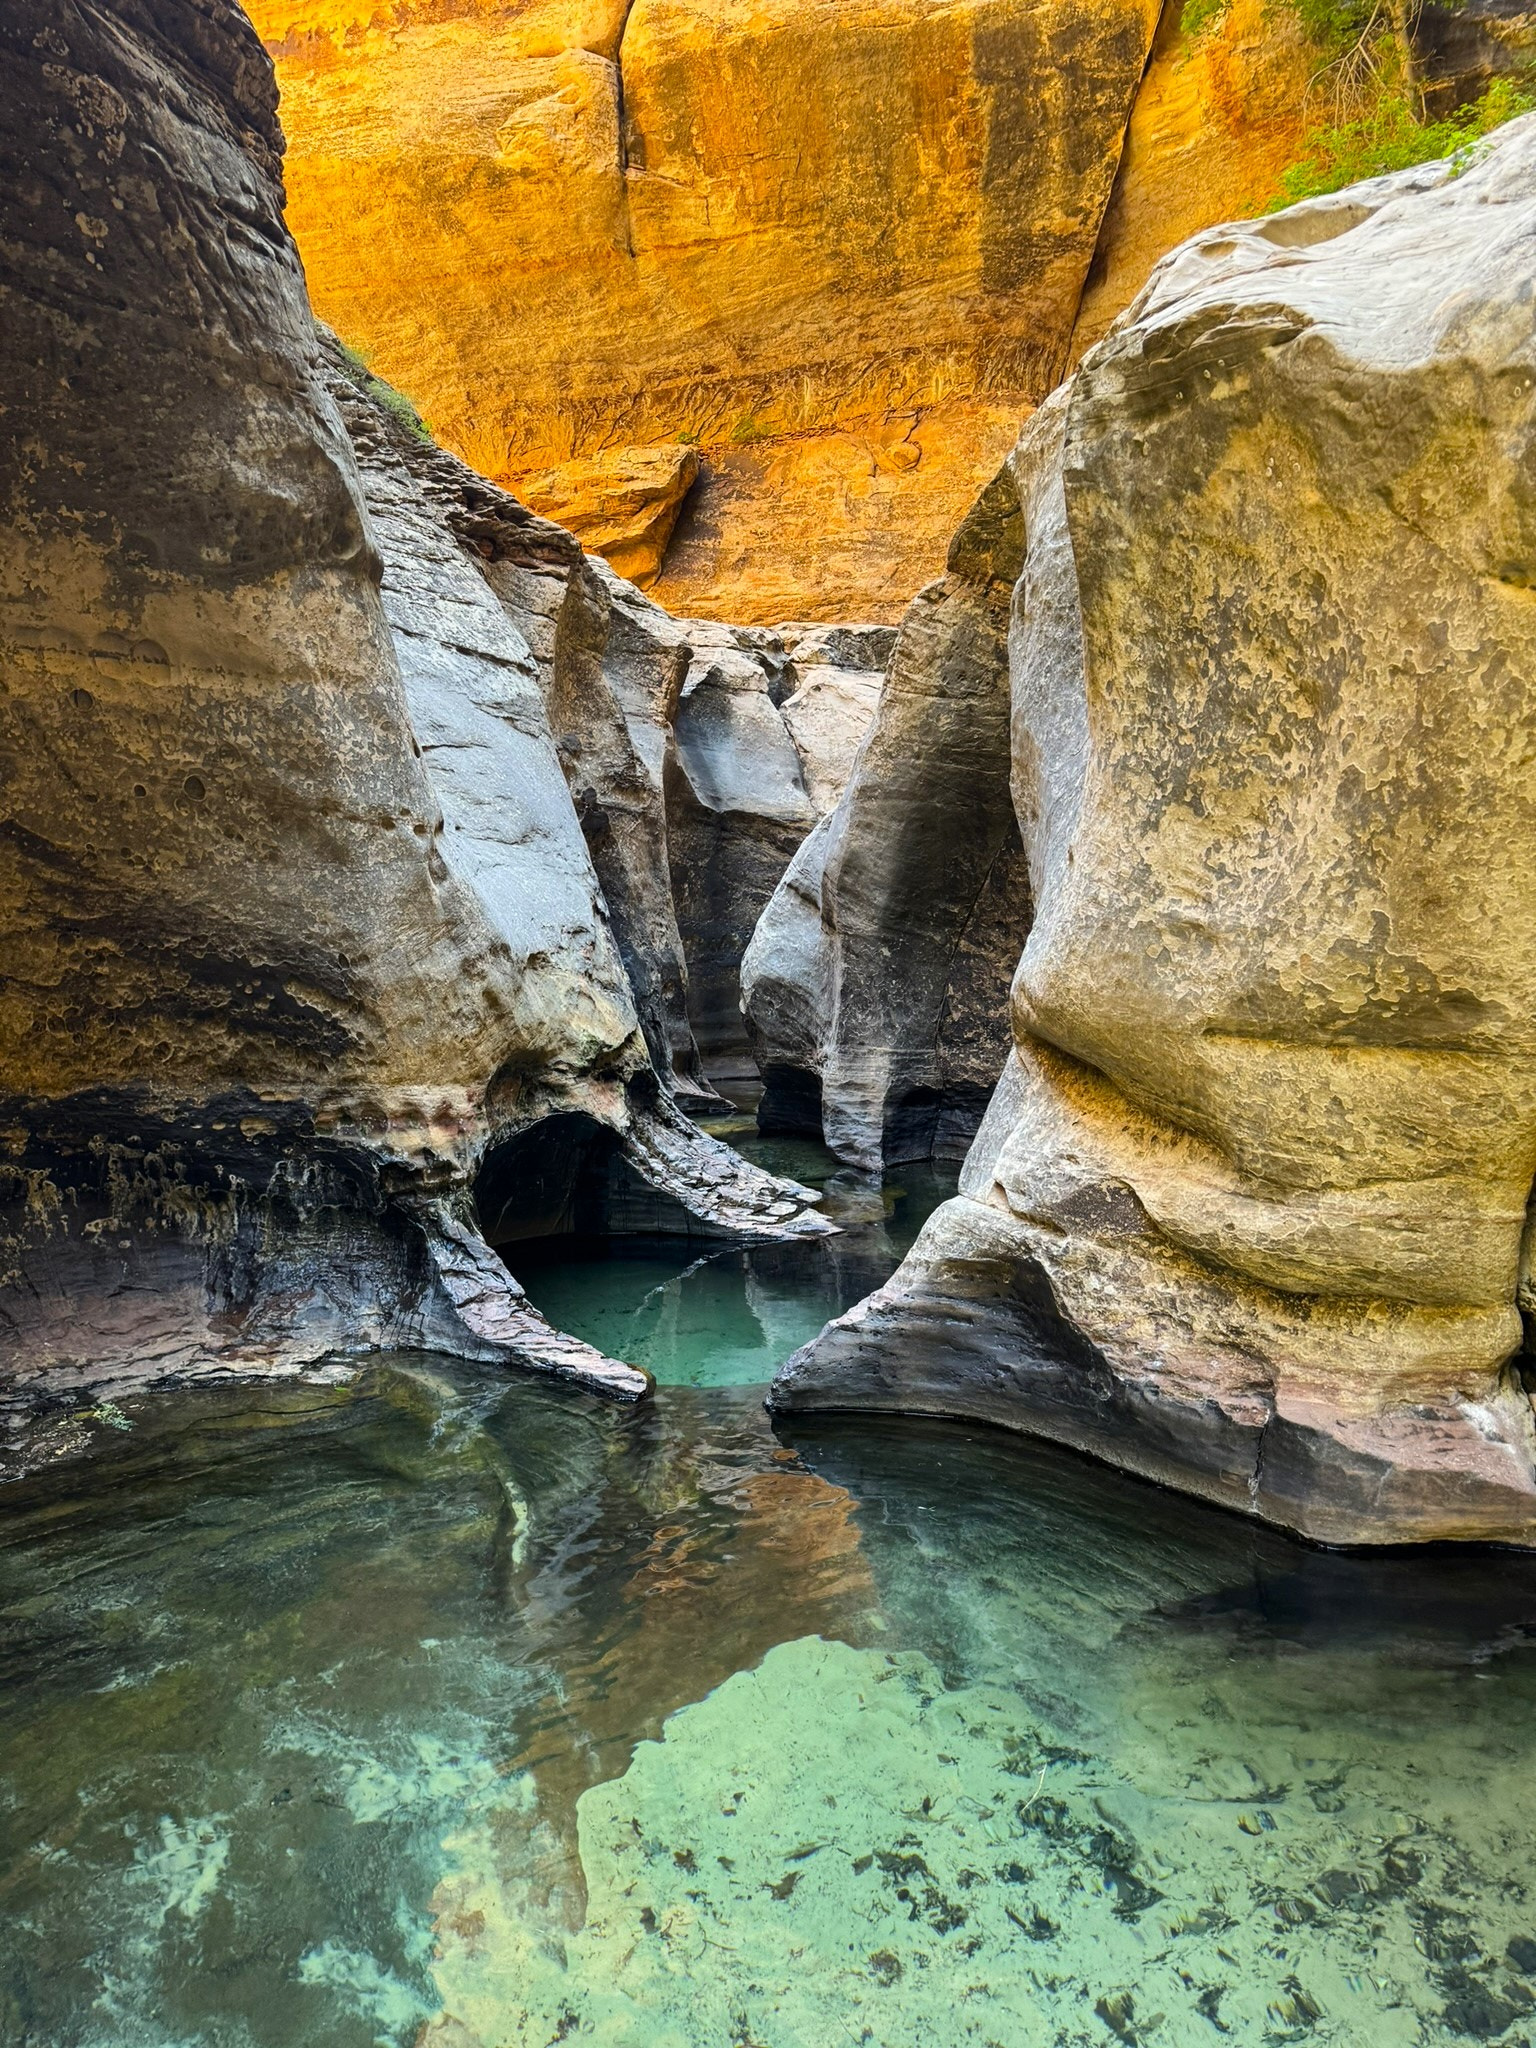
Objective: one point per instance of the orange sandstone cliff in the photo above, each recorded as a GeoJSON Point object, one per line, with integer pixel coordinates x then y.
{"type": "Point", "coordinates": [835, 246]}
{"type": "Point", "coordinates": [1218, 118]}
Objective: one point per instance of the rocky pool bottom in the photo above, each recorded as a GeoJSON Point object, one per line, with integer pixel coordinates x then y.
{"type": "Point", "coordinates": [440, 1709]}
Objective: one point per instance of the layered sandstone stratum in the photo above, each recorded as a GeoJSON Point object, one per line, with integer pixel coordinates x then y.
{"type": "Point", "coordinates": [840, 247]}
{"type": "Point", "coordinates": [827, 252]}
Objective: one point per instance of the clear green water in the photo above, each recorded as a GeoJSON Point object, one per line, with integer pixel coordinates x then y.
{"type": "Point", "coordinates": [447, 1710]}
{"type": "Point", "coordinates": [729, 1317]}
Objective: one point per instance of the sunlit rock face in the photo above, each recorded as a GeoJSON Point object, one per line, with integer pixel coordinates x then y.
{"type": "Point", "coordinates": [297, 911]}
{"type": "Point", "coordinates": [1219, 116]}
{"type": "Point", "coordinates": [1246, 1213]}
{"type": "Point", "coordinates": [875, 986]}
{"type": "Point", "coordinates": [621, 504]}
{"type": "Point", "coordinates": [837, 246]}
{"type": "Point", "coordinates": [1226, 107]}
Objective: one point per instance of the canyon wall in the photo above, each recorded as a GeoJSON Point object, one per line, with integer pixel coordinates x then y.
{"type": "Point", "coordinates": [753, 298]}
{"type": "Point", "coordinates": [1248, 1208]}
{"type": "Point", "coordinates": [839, 248]}
{"type": "Point", "coordinates": [299, 924]}
{"type": "Point", "coordinates": [875, 988]}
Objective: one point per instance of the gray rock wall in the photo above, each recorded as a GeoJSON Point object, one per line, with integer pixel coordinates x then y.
{"type": "Point", "coordinates": [875, 986]}
{"type": "Point", "coordinates": [766, 731]}
{"type": "Point", "coordinates": [296, 916]}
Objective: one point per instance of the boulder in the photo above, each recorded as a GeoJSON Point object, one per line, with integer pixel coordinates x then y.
{"type": "Point", "coordinates": [875, 986]}
{"type": "Point", "coordinates": [1247, 1210]}
{"type": "Point", "coordinates": [621, 503]}
{"type": "Point", "coordinates": [836, 673]}
{"type": "Point", "coordinates": [837, 247]}
{"type": "Point", "coordinates": [298, 925]}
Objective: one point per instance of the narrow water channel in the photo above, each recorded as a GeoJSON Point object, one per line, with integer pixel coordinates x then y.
{"type": "Point", "coordinates": [444, 1709]}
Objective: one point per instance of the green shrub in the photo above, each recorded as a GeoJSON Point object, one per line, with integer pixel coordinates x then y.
{"type": "Point", "coordinates": [399, 407]}
{"type": "Point", "coordinates": [1198, 15]}
{"type": "Point", "coordinates": [394, 402]}
{"type": "Point", "coordinates": [1389, 136]}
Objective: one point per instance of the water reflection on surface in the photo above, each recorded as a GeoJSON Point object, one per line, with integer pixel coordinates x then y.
{"type": "Point", "coordinates": [448, 1710]}
{"type": "Point", "coordinates": [724, 1316]}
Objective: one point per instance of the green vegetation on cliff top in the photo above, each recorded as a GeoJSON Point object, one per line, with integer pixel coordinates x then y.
{"type": "Point", "coordinates": [1368, 78]}
{"type": "Point", "coordinates": [1390, 136]}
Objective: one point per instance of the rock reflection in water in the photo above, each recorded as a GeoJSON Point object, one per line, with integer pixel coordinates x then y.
{"type": "Point", "coordinates": [729, 1317]}
{"type": "Point", "coordinates": [440, 1710]}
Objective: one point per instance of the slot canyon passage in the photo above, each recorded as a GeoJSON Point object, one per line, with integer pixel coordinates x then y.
{"type": "Point", "coordinates": [767, 1027]}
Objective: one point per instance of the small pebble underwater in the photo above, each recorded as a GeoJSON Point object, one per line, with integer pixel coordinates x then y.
{"type": "Point", "coordinates": [444, 1710]}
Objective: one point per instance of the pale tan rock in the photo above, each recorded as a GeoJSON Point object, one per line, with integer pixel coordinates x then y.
{"type": "Point", "coordinates": [764, 734]}
{"type": "Point", "coordinates": [621, 504]}
{"type": "Point", "coordinates": [831, 705]}
{"type": "Point", "coordinates": [1247, 1210]}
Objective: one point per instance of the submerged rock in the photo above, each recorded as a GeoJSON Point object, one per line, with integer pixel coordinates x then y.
{"type": "Point", "coordinates": [298, 917]}
{"type": "Point", "coordinates": [1246, 1212]}
{"type": "Point", "coordinates": [875, 987]}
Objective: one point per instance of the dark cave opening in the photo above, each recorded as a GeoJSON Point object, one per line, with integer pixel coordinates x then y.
{"type": "Point", "coordinates": [790, 1104]}
{"type": "Point", "coordinates": [568, 1178]}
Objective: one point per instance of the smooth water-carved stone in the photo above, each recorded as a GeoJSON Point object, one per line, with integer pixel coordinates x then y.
{"type": "Point", "coordinates": [875, 986]}
{"type": "Point", "coordinates": [297, 917]}
{"type": "Point", "coordinates": [765, 732]}
{"type": "Point", "coordinates": [1247, 1210]}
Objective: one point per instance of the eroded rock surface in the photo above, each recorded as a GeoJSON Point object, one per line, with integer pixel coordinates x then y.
{"type": "Point", "coordinates": [1226, 108]}
{"type": "Point", "coordinates": [298, 916]}
{"type": "Point", "coordinates": [621, 504]}
{"type": "Point", "coordinates": [609, 669]}
{"type": "Point", "coordinates": [1247, 1209]}
{"type": "Point", "coordinates": [765, 733]}
{"type": "Point", "coordinates": [875, 986]}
